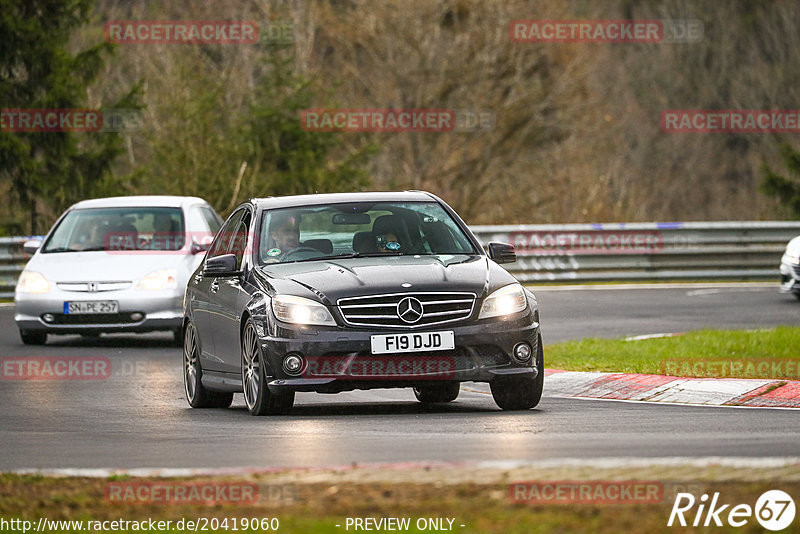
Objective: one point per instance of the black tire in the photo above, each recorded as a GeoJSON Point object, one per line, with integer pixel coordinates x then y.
{"type": "Point", "coordinates": [196, 394]}
{"type": "Point", "coordinates": [440, 393]}
{"type": "Point", "coordinates": [797, 296]}
{"type": "Point", "coordinates": [520, 392]}
{"type": "Point", "coordinates": [257, 396]}
{"type": "Point", "coordinates": [33, 337]}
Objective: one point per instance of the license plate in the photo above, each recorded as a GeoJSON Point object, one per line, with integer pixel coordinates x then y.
{"type": "Point", "coordinates": [91, 306]}
{"type": "Point", "coordinates": [393, 343]}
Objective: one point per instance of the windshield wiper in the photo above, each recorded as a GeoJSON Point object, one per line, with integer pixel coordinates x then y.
{"type": "Point", "coordinates": [66, 249]}
{"type": "Point", "coordinates": [365, 255]}
{"type": "Point", "coordinates": [351, 255]}
{"type": "Point", "coordinates": [337, 257]}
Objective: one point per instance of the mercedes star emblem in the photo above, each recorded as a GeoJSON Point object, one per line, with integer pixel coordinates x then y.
{"type": "Point", "coordinates": [409, 310]}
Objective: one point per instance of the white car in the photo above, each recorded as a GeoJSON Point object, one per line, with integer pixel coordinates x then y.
{"type": "Point", "coordinates": [113, 265]}
{"type": "Point", "coordinates": [790, 268]}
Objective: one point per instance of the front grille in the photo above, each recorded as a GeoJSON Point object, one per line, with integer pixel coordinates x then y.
{"type": "Point", "coordinates": [797, 270]}
{"type": "Point", "coordinates": [98, 286]}
{"type": "Point", "coordinates": [490, 355]}
{"type": "Point", "coordinates": [382, 310]}
{"type": "Point", "coordinates": [92, 318]}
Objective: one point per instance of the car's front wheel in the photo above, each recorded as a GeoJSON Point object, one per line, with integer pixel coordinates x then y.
{"type": "Point", "coordinates": [439, 393]}
{"type": "Point", "coordinates": [257, 396]}
{"type": "Point", "coordinates": [196, 394]}
{"type": "Point", "coordinates": [520, 392]}
{"type": "Point", "coordinates": [32, 337]}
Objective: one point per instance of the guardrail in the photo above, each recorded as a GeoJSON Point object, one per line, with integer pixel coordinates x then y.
{"type": "Point", "coordinates": [599, 252]}
{"type": "Point", "coordinates": [12, 261]}
{"type": "Point", "coordinates": [644, 251]}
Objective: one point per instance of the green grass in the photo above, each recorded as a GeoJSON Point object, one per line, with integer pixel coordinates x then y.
{"type": "Point", "coordinates": [764, 353]}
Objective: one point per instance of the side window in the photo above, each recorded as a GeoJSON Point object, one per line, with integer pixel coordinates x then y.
{"type": "Point", "coordinates": [211, 218]}
{"type": "Point", "coordinates": [221, 243]}
{"type": "Point", "coordinates": [195, 220]}
{"type": "Point", "coordinates": [239, 242]}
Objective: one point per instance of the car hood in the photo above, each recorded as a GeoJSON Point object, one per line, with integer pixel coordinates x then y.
{"type": "Point", "coordinates": [99, 266]}
{"type": "Point", "coordinates": [334, 279]}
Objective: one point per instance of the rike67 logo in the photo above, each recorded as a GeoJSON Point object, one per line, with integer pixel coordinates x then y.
{"type": "Point", "coordinates": [774, 510]}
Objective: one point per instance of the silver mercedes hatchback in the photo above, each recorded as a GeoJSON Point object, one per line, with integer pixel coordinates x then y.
{"type": "Point", "coordinates": [113, 265]}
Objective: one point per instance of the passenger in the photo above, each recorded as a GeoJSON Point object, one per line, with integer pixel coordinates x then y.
{"type": "Point", "coordinates": [387, 243]}
{"type": "Point", "coordinates": [165, 236]}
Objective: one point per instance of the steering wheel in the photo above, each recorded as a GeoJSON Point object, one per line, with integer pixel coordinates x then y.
{"type": "Point", "coordinates": [301, 248]}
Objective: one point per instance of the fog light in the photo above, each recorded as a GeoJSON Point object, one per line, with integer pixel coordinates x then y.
{"type": "Point", "coordinates": [137, 316]}
{"type": "Point", "coordinates": [48, 317]}
{"type": "Point", "coordinates": [522, 352]}
{"type": "Point", "coordinates": [293, 364]}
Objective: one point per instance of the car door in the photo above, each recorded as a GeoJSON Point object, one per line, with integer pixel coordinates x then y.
{"type": "Point", "coordinates": [205, 304]}
{"type": "Point", "coordinates": [230, 297]}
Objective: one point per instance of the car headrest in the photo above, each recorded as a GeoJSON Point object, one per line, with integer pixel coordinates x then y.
{"type": "Point", "coordinates": [363, 242]}
{"type": "Point", "coordinates": [323, 245]}
{"type": "Point", "coordinates": [391, 224]}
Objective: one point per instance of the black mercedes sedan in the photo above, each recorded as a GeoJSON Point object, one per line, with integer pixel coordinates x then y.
{"type": "Point", "coordinates": [336, 292]}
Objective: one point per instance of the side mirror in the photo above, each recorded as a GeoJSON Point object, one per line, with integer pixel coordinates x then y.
{"type": "Point", "coordinates": [502, 252]}
{"type": "Point", "coordinates": [202, 246]}
{"type": "Point", "coordinates": [30, 247]}
{"type": "Point", "coordinates": [224, 265]}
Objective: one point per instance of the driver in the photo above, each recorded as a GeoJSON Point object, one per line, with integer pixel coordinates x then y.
{"type": "Point", "coordinates": [284, 235]}
{"type": "Point", "coordinates": [285, 232]}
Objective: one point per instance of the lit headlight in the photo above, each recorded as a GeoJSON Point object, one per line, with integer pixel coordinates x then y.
{"type": "Point", "coordinates": [504, 301]}
{"type": "Point", "coordinates": [298, 310]}
{"type": "Point", "coordinates": [32, 282]}
{"type": "Point", "coordinates": [161, 279]}
{"type": "Point", "coordinates": [791, 259]}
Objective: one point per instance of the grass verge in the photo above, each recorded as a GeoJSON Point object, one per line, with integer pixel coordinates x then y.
{"type": "Point", "coordinates": [763, 353]}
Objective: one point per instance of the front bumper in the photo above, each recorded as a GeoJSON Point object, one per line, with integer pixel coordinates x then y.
{"type": "Point", "coordinates": [483, 351]}
{"type": "Point", "coordinates": [790, 278]}
{"type": "Point", "coordinates": [160, 310]}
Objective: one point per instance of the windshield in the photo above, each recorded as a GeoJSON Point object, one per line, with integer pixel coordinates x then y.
{"type": "Point", "coordinates": [355, 230]}
{"type": "Point", "coordinates": [134, 228]}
